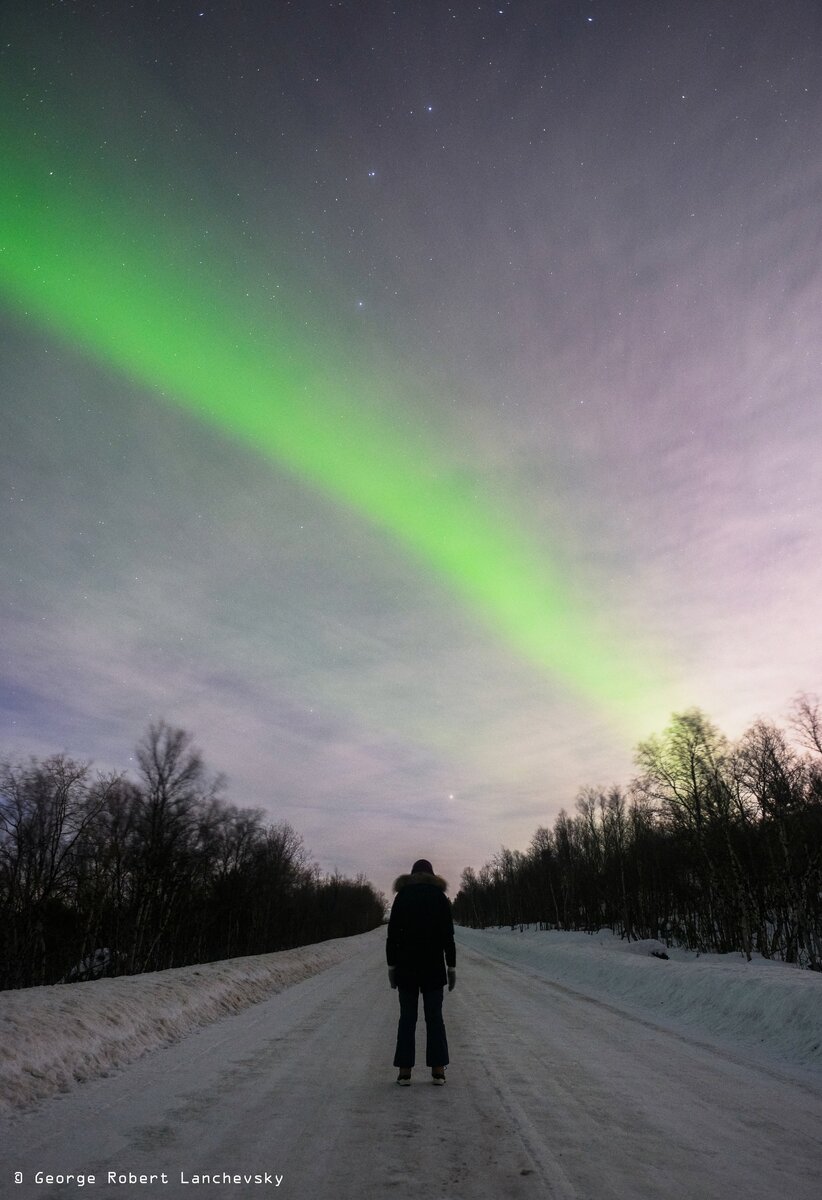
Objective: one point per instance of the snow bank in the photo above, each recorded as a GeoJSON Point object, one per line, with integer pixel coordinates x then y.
{"type": "Point", "coordinates": [768, 1005]}
{"type": "Point", "coordinates": [52, 1037]}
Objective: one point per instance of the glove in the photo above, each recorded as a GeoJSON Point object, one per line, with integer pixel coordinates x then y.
{"type": "Point", "coordinates": [392, 977]}
{"type": "Point", "coordinates": [452, 978]}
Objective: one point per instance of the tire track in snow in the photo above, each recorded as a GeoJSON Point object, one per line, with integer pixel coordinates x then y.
{"type": "Point", "coordinates": [630, 1110]}
{"type": "Point", "coordinates": [484, 1034]}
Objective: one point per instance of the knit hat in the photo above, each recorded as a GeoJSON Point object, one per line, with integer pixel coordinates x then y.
{"type": "Point", "coordinates": [422, 866]}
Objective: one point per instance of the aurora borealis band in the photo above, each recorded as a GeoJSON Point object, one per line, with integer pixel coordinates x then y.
{"type": "Point", "coordinates": [186, 331]}
{"type": "Point", "coordinates": [416, 402]}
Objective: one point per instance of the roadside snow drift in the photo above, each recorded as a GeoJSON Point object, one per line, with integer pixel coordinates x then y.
{"type": "Point", "coordinates": [768, 1005]}
{"type": "Point", "coordinates": [52, 1037]}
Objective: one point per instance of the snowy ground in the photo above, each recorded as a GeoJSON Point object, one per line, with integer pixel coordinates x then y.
{"type": "Point", "coordinates": [54, 1037]}
{"type": "Point", "coordinates": [761, 1004]}
{"type": "Point", "coordinates": [577, 1070]}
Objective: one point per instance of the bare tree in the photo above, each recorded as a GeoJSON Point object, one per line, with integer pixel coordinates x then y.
{"type": "Point", "coordinates": [44, 810]}
{"type": "Point", "coordinates": [718, 847]}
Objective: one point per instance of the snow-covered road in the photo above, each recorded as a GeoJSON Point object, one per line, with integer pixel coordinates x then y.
{"type": "Point", "coordinates": [549, 1094]}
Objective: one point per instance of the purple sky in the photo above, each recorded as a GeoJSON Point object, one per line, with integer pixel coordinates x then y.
{"type": "Point", "coordinates": [581, 239]}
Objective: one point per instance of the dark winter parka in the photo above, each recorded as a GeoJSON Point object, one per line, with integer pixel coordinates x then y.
{"type": "Point", "coordinates": [420, 940]}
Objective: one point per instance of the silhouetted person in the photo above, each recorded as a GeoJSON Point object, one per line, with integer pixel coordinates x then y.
{"type": "Point", "coordinates": [419, 948]}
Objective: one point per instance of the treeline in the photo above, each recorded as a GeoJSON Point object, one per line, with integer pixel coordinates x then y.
{"type": "Point", "coordinates": [714, 846]}
{"type": "Point", "coordinates": [101, 875]}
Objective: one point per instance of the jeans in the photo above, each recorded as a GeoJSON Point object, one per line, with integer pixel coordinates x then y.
{"type": "Point", "coordinates": [436, 1047]}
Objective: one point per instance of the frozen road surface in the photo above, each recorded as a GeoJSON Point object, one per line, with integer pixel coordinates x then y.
{"type": "Point", "coordinates": [550, 1094]}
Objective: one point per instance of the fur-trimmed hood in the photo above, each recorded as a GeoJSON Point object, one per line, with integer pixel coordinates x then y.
{"type": "Point", "coordinates": [404, 881]}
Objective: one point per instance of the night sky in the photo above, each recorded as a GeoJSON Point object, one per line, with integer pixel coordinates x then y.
{"type": "Point", "coordinates": [417, 402]}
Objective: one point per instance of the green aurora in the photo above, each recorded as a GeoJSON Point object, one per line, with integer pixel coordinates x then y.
{"type": "Point", "coordinates": [111, 271]}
